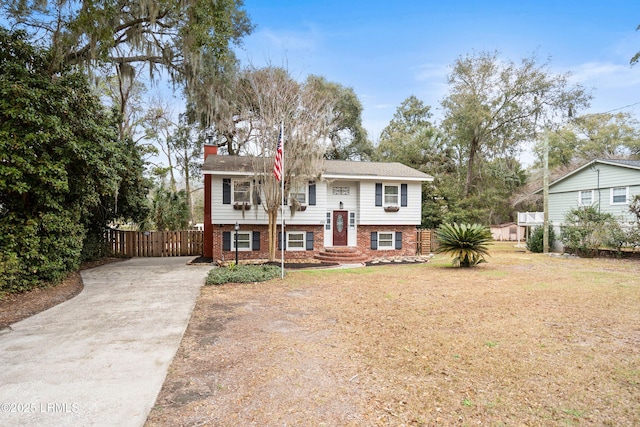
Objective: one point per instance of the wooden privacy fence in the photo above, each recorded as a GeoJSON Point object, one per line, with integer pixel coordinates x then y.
{"type": "Point", "coordinates": [427, 242]}
{"type": "Point", "coordinates": [154, 243]}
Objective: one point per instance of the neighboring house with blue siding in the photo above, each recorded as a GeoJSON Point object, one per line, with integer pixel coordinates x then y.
{"type": "Point", "coordinates": [371, 208]}
{"type": "Point", "coordinates": [609, 185]}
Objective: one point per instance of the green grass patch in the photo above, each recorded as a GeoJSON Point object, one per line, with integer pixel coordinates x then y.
{"type": "Point", "coordinates": [242, 274]}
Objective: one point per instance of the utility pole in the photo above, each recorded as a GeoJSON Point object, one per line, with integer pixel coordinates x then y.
{"type": "Point", "coordinates": [545, 195]}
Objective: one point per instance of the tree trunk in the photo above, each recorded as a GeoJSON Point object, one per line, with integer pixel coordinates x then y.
{"type": "Point", "coordinates": [187, 186]}
{"type": "Point", "coordinates": [172, 178]}
{"type": "Point", "coordinates": [273, 233]}
{"type": "Point", "coordinates": [473, 148]}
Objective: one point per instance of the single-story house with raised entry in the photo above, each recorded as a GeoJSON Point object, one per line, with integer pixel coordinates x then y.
{"type": "Point", "coordinates": [355, 210]}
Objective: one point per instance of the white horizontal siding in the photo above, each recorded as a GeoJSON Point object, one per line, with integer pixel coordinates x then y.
{"type": "Point", "coordinates": [370, 214]}
{"type": "Point", "coordinates": [349, 202]}
{"type": "Point", "coordinates": [226, 214]}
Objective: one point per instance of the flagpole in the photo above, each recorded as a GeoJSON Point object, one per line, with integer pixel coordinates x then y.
{"type": "Point", "coordinates": [284, 239]}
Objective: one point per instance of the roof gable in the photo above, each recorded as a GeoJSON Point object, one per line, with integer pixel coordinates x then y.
{"type": "Point", "coordinates": [631, 164]}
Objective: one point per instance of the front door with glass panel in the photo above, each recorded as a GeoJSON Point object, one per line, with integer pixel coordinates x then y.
{"type": "Point", "coordinates": [340, 220]}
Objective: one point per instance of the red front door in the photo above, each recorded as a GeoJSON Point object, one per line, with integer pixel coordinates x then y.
{"type": "Point", "coordinates": [340, 228]}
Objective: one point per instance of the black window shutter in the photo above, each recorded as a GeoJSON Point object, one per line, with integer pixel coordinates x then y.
{"type": "Point", "coordinates": [280, 241]}
{"type": "Point", "coordinates": [378, 194]}
{"type": "Point", "coordinates": [398, 239]}
{"type": "Point", "coordinates": [226, 240]}
{"type": "Point", "coordinates": [255, 244]}
{"type": "Point", "coordinates": [403, 194]}
{"type": "Point", "coordinates": [226, 191]}
{"type": "Point", "coordinates": [309, 240]}
{"type": "Point", "coordinates": [312, 194]}
{"type": "Point", "coordinates": [374, 240]}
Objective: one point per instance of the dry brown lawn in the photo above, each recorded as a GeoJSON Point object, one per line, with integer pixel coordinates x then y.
{"type": "Point", "coordinates": [526, 339]}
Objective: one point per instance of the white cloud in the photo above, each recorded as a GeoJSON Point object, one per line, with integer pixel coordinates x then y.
{"type": "Point", "coordinates": [603, 75]}
{"type": "Point", "coordinates": [291, 40]}
{"type": "Point", "coordinates": [430, 72]}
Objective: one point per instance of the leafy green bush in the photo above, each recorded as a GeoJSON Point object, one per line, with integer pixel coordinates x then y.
{"type": "Point", "coordinates": [588, 229]}
{"type": "Point", "coordinates": [242, 274]}
{"type": "Point", "coordinates": [467, 243]}
{"type": "Point", "coordinates": [535, 240]}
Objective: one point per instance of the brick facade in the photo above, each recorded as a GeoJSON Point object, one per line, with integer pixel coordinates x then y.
{"type": "Point", "coordinates": [409, 242]}
{"type": "Point", "coordinates": [222, 255]}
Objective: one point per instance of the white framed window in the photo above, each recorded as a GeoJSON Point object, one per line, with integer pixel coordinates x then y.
{"type": "Point", "coordinates": [385, 240]}
{"type": "Point", "coordinates": [327, 225]}
{"type": "Point", "coordinates": [244, 240]}
{"type": "Point", "coordinates": [585, 198]}
{"type": "Point", "coordinates": [296, 240]}
{"type": "Point", "coordinates": [391, 195]}
{"type": "Point", "coordinates": [299, 194]}
{"type": "Point", "coordinates": [241, 191]}
{"type": "Point", "coordinates": [352, 220]}
{"type": "Point", "coordinates": [619, 195]}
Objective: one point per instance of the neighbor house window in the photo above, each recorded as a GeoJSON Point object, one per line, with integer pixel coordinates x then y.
{"type": "Point", "coordinates": [242, 191]}
{"type": "Point", "coordinates": [619, 195]}
{"type": "Point", "coordinates": [585, 198]}
{"type": "Point", "coordinates": [244, 241]}
{"type": "Point", "coordinates": [296, 241]}
{"type": "Point", "coordinates": [391, 195]}
{"type": "Point", "coordinates": [385, 240]}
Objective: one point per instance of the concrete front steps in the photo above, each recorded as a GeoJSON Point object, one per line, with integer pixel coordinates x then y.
{"type": "Point", "coordinates": [342, 255]}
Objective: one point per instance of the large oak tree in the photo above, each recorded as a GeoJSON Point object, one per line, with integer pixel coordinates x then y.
{"type": "Point", "coordinates": [495, 106]}
{"type": "Point", "coordinates": [189, 40]}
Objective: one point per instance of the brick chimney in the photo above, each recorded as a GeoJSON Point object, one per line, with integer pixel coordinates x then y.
{"type": "Point", "coordinates": [209, 150]}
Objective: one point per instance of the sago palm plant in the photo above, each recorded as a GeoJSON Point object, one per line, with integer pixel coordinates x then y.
{"type": "Point", "coordinates": [467, 243]}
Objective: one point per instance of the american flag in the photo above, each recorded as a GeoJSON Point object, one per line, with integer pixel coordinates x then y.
{"type": "Point", "coordinates": [277, 165]}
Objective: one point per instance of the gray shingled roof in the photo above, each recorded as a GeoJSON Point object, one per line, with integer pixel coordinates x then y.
{"type": "Point", "coordinates": [635, 163]}
{"type": "Point", "coordinates": [372, 169]}
{"type": "Point", "coordinates": [331, 169]}
{"type": "Point", "coordinates": [230, 164]}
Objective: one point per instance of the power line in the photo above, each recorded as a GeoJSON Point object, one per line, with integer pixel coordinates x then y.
{"type": "Point", "coordinates": [621, 108]}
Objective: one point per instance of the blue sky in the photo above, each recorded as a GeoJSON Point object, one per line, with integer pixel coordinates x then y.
{"type": "Point", "coordinates": [387, 51]}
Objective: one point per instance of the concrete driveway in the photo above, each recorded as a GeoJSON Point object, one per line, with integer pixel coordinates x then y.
{"type": "Point", "coordinates": [100, 358]}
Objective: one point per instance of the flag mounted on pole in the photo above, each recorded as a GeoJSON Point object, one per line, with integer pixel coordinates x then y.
{"type": "Point", "coordinates": [278, 168]}
{"type": "Point", "coordinates": [277, 165]}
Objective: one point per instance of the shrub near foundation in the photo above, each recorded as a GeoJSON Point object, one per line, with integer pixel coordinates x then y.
{"type": "Point", "coordinates": [242, 274]}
